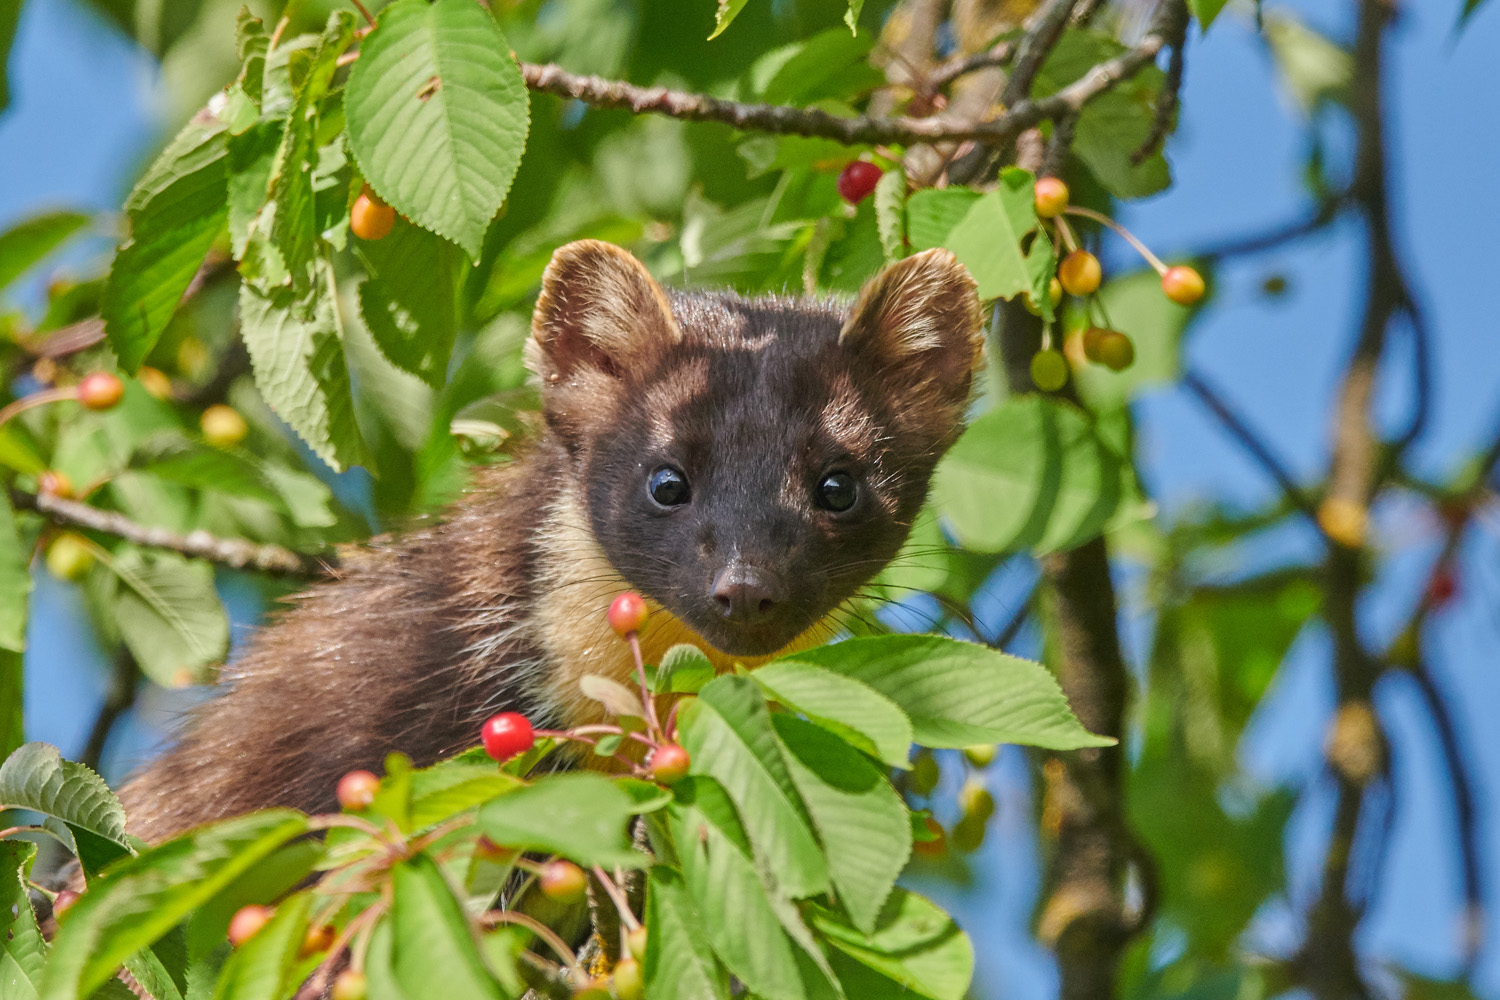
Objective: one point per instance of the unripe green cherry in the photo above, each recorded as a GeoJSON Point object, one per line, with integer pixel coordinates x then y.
{"type": "Point", "coordinates": [1049, 370]}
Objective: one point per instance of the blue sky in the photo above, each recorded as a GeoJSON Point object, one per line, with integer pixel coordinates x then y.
{"type": "Point", "coordinates": [84, 103]}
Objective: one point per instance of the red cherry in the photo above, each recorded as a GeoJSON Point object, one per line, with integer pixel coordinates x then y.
{"type": "Point", "coordinates": [1442, 586]}
{"type": "Point", "coordinates": [100, 390]}
{"type": "Point", "coordinates": [628, 613]}
{"type": "Point", "coordinates": [857, 180]}
{"type": "Point", "coordinates": [1182, 284]}
{"type": "Point", "coordinates": [669, 763]}
{"type": "Point", "coordinates": [563, 881]}
{"type": "Point", "coordinates": [64, 901]}
{"type": "Point", "coordinates": [357, 790]}
{"type": "Point", "coordinates": [1051, 196]}
{"type": "Point", "coordinates": [246, 922]}
{"type": "Point", "coordinates": [506, 735]}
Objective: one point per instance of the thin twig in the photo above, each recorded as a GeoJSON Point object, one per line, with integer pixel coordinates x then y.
{"type": "Point", "coordinates": [1167, 100]}
{"type": "Point", "coordinates": [117, 701]}
{"type": "Point", "coordinates": [233, 552]}
{"type": "Point", "coordinates": [997, 55]}
{"type": "Point", "coordinates": [1250, 441]}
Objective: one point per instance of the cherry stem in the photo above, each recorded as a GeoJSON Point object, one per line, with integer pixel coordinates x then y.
{"type": "Point", "coordinates": [670, 733]}
{"type": "Point", "coordinates": [339, 819]}
{"type": "Point", "coordinates": [319, 981]}
{"type": "Point", "coordinates": [363, 10]}
{"type": "Point", "coordinates": [648, 700]}
{"type": "Point", "coordinates": [1067, 233]}
{"type": "Point", "coordinates": [1125, 234]}
{"type": "Point", "coordinates": [618, 897]}
{"type": "Point", "coordinates": [36, 399]}
{"type": "Point", "coordinates": [541, 930]}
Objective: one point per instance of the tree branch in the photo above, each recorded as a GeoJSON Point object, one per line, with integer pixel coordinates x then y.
{"type": "Point", "coordinates": [861, 130]}
{"type": "Point", "coordinates": [233, 552]}
{"type": "Point", "coordinates": [1250, 441]}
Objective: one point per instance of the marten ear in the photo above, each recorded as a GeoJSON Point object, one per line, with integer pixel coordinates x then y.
{"type": "Point", "coordinates": [918, 324]}
{"type": "Point", "coordinates": [600, 311]}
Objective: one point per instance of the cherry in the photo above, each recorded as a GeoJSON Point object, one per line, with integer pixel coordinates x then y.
{"type": "Point", "coordinates": [670, 763]}
{"type": "Point", "coordinates": [1049, 370]}
{"type": "Point", "coordinates": [636, 942]}
{"type": "Point", "coordinates": [935, 847]}
{"type": "Point", "coordinates": [629, 983]}
{"type": "Point", "coordinates": [857, 180]}
{"type": "Point", "coordinates": [1115, 350]}
{"type": "Point", "coordinates": [976, 801]}
{"type": "Point", "coordinates": [350, 985]}
{"type": "Point", "coordinates": [64, 901]}
{"type": "Point", "coordinates": [628, 613]}
{"type": "Point", "coordinates": [319, 938]}
{"type": "Point", "coordinates": [222, 426]}
{"type": "Point", "coordinates": [357, 790]}
{"type": "Point", "coordinates": [1080, 273]}
{"type": "Point", "coordinates": [1182, 284]}
{"type": "Point", "coordinates": [981, 754]}
{"type": "Point", "coordinates": [1051, 197]}
{"type": "Point", "coordinates": [1343, 521]}
{"type": "Point", "coordinates": [563, 882]}
{"type": "Point", "coordinates": [155, 382]}
{"type": "Point", "coordinates": [371, 218]}
{"type": "Point", "coordinates": [1442, 586]}
{"type": "Point", "coordinates": [100, 390]}
{"type": "Point", "coordinates": [247, 922]}
{"type": "Point", "coordinates": [1091, 338]}
{"type": "Point", "coordinates": [506, 735]}
{"type": "Point", "coordinates": [54, 483]}
{"type": "Point", "coordinates": [69, 557]}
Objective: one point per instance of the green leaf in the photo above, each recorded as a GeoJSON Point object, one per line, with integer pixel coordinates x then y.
{"type": "Point", "coordinates": [15, 585]}
{"type": "Point", "coordinates": [22, 950]}
{"type": "Point", "coordinates": [862, 716]}
{"type": "Point", "coordinates": [432, 940]}
{"type": "Point", "coordinates": [1206, 10]}
{"type": "Point", "coordinates": [960, 693]}
{"type": "Point", "coordinates": [931, 214]}
{"type": "Point", "coordinates": [437, 116]}
{"type": "Point", "coordinates": [443, 791]}
{"type": "Point", "coordinates": [851, 16]}
{"type": "Point", "coordinates": [727, 731]}
{"type": "Point", "coordinates": [1315, 69]}
{"type": "Point", "coordinates": [724, 16]}
{"type": "Point", "coordinates": [297, 351]}
{"type": "Point", "coordinates": [1470, 6]}
{"type": "Point", "coordinates": [154, 976]}
{"type": "Point", "coordinates": [988, 238]}
{"type": "Point", "coordinates": [263, 968]}
{"type": "Point", "coordinates": [1032, 473]}
{"type": "Point", "coordinates": [251, 155]}
{"type": "Point", "coordinates": [28, 242]}
{"type": "Point", "coordinates": [206, 468]}
{"type": "Point", "coordinates": [145, 897]}
{"type": "Point", "coordinates": [10, 16]}
{"type": "Point", "coordinates": [1113, 125]}
{"type": "Point", "coordinates": [721, 880]}
{"type": "Point", "coordinates": [1136, 307]}
{"type": "Point", "coordinates": [581, 815]}
{"type": "Point", "coordinates": [36, 777]}
{"type": "Point", "coordinates": [410, 300]}
{"type": "Point", "coordinates": [176, 212]}
{"type": "Point", "coordinates": [1041, 263]}
{"type": "Point", "coordinates": [168, 613]}
{"type": "Point", "coordinates": [684, 669]}
{"type": "Point", "coordinates": [914, 943]}
{"type": "Point", "coordinates": [679, 959]}
{"type": "Point", "coordinates": [890, 213]}
{"type": "Point", "coordinates": [856, 812]}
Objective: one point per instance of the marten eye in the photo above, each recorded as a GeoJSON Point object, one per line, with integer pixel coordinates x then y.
{"type": "Point", "coordinates": [668, 487]}
{"type": "Point", "coordinates": [836, 492]}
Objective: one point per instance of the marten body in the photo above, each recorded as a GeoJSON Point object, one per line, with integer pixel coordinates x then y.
{"type": "Point", "coordinates": [746, 464]}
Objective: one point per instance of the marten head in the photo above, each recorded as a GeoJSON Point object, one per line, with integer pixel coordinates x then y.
{"type": "Point", "coordinates": [750, 463]}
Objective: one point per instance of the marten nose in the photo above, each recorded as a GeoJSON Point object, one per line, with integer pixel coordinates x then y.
{"type": "Point", "coordinates": [747, 595]}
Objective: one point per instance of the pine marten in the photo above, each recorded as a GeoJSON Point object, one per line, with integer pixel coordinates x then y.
{"type": "Point", "coordinates": [745, 463]}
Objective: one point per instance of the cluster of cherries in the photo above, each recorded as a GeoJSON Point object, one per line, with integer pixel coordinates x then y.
{"type": "Point", "coordinates": [506, 736]}
{"type": "Point", "coordinates": [1079, 273]}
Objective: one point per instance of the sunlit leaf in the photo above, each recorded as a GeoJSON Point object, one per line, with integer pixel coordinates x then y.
{"type": "Point", "coordinates": [36, 777]}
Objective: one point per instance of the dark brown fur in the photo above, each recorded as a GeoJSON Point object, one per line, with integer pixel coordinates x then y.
{"type": "Point", "coordinates": [500, 606]}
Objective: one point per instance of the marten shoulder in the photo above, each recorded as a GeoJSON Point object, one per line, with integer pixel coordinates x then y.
{"type": "Point", "coordinates": [745, 463]}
